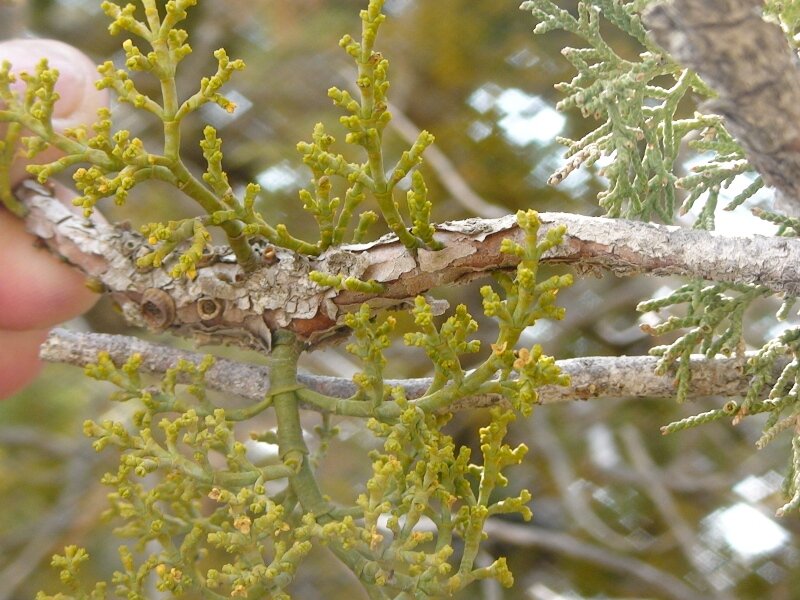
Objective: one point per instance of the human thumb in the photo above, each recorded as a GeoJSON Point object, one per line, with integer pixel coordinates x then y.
{"type": "Point", "coordinates": [79, 99]}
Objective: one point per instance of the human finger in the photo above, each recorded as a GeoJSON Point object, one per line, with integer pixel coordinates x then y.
{"type": "Point", "coordinates": [19, 359]}
{"type": "Point", "coordinates": [36, 290]}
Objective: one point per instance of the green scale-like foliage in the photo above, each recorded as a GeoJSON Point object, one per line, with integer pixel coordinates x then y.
{"type": "Point", "coordinates": [640, 105]}
{"type": "Point", "coordinates": [644, 137]}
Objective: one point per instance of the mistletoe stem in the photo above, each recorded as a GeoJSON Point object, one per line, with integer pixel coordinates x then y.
{"type": "Point", "coordinates": [291, 446]}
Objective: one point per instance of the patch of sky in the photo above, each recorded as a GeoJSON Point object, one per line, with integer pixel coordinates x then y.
{"type": "Point", "coordinates": [696, 160]}
{"type": "Point", "coordinates": [221, 118]}
{"type": "Point", "coordinates": [540, 591]}
{"type": "Point", "coordinates": [542, 332]}
{"type": "Point", "coordinates": [281, 177]}
{"type": "Point", "coordinates": [745, 530]}
{"type": "Point", "coordinates": [739, 221]}
{"type": "Point", "coordinates": [771, 573]}
{"type": "Point", "coordinates": [524, 118]}
{"type": "Point", "coordinates": [529, 118]}
{"type": "Point", "coordinates": [780, 327]}
{"type": "Point", "coordinates": [602, 448]}
{"type": "Point", "coordinates": [424, 524]}
{"type": "Point", "coordinates": [258, 451]}
{"type": "Point", "coordinates": [714, 568]}
{"type": "Point", "coordinates": [754, 489]}
{"type": "Point", "coordinates": [484, 98]}
{"type": "Point", "coordinates": [544, 168]}
{"type": "Point", "coordinates": [397, 7]}
{"type": "Point", "coordinates": [89, 6]}
{"type": "Point", "coordinates": [479, 130]}
{"type": "Point", "coordinates": [575, 184]}
{"type": "Point", "coordinates": [522, 59]}
{"type": "Point", "coordinates": [255, 33]}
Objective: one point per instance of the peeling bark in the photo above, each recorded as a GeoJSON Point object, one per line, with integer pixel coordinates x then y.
{"type": "Point", "coordinates": [225, 304]}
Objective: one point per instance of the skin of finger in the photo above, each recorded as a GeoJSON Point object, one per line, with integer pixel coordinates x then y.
{"type": "Point", "coordinates": [37, 290]}
{"type": "Point", "coordinates": [19, 359]}
{"type": "Point", "coordinates": [79, 98]}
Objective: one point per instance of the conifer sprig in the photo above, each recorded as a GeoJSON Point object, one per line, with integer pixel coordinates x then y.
{"type": "Point", "coordinates": [643, 132]}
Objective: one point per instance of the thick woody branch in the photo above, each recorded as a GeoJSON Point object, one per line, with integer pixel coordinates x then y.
{"type": "Point", "coordinates": [749, 63]}
{"type": "Point", "coordinates": [247, 307]}
{"type": "Point", "coordinates": [592, 377]}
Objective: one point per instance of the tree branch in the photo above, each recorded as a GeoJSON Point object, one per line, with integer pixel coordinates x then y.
{"type": "Point", "coordinates": [749, 63]}
{"type": "Point", "coordinates": [593, 377]}
{"type": "Point", "coordinates": [574, 497]}
{"type": "Point", "coordinates": [279, 294]}
{"type": "Point", "coordinates": [519, 535]}
{"type": "Point", "coordinates": [664, 502]}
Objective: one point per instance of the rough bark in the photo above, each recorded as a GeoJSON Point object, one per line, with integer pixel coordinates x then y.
{"type": "Point", "coordinates": [591, 377]}
{"type": "Point", "coordinates": [750, 64]}
{"type": "Point", "coordinates": [225, 304]}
